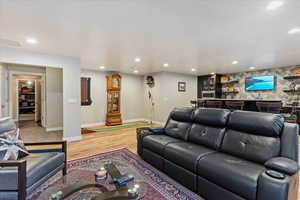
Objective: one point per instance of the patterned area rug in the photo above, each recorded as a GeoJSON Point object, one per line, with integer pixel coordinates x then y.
{"type": "Point", "coordinates": [154, 185]}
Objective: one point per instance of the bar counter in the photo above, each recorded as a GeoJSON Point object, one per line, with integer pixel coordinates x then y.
{"type": "Point", "coordinates": [249, 104]}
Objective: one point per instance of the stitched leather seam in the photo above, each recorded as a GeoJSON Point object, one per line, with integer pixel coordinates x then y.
{"type": "Point", "coordinates": [200, 157]}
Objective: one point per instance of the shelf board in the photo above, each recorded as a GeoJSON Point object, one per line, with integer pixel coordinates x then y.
{"type": "Point", "coordinates": [26, 107]}
{"type": "Point", "coordinates": [291, 77]}
{"type": "Point", "coordinates": [290, 91]}
{"type": "Point", "coordinates": [230, 82]}
{"type": "Point", "coordinates": [235, 92]}
{"type": "Point", "coordinates": [26, 93]}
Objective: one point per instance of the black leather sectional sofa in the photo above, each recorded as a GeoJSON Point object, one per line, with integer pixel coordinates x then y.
{"type": "Point", "coordinates": [223, 155]}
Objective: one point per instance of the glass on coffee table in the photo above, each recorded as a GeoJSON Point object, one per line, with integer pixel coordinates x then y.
{"type": "Point", "coordinates": [82, 185]}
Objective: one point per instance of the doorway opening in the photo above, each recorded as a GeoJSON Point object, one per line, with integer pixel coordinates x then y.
{"type": "Point", "coordinates": [29, 105]}
{"type": "Point", "coordinates": [33, 97]}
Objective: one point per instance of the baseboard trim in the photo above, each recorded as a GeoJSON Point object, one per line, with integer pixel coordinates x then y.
{"type": "Point", "coordinates": [54, 129]}
{"type": "Point", "coordinates": [125, 121]}
{"type": "Point", "coordinates": [73, 138]}
{"type": "Point", "coordinates": [134, 120]}
{"type": "Point", "coordinates": [93, 124]}
{"type": "Point", "coordinates": [155, 122]}
{"type": "Point", "coordinates": [103, 123]}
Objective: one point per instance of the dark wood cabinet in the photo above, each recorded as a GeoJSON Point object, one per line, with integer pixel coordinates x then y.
{"type": "Point", "coordinates": [209, 86]}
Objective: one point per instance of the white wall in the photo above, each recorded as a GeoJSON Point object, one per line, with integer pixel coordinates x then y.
{"type": "Point", "coordinates": [3, 74]}
{"type": "Point", "coordinates": [132, 104]}
{"type": "Point", "coordinates": [54, 99]}
{"type": "Point", "coordinates": [71, 83]}
{"type": "Point", "coordinates": [4, 91]}
{"type": "Point", "coordinates": [166, 95]}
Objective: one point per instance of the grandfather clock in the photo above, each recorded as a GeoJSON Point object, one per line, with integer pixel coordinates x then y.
{"type": "Point", "coordinates": [113, 116]}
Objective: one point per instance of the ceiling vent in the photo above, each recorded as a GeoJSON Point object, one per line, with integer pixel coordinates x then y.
{"type": "Point", "coordinates": [9, 43]}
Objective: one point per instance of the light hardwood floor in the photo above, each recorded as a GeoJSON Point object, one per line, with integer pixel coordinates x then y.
{"type": "Point", "coordinates": [94, 143]}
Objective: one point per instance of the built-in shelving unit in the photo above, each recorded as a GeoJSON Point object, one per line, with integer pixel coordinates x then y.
{"type": "Point", "coordinates": [228, 86]}
{"type": "Point", "coordinates": [26, 100]}
{"type": "Point", "coordinates": [209, 86]}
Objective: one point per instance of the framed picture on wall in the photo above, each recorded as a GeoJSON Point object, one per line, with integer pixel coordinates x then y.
{"type": "Point", "coordinates": [181, 86]}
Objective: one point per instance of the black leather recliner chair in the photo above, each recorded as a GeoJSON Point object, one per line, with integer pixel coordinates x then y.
{"type": "Point", "coordinates": [226, 155]}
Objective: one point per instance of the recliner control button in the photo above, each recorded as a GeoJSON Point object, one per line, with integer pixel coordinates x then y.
{"type": "Point", "coordinates": [275, 174]}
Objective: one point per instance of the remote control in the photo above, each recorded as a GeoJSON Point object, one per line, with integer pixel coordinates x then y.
{"type": "Point", "coordinates": [124, 180]}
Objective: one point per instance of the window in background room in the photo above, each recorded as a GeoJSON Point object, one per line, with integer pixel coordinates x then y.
{"type": "Point", "coordinates": [86, 91]}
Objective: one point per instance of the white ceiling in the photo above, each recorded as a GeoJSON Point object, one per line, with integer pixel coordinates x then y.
{"type": "Point", "coordinates": [203, 34]}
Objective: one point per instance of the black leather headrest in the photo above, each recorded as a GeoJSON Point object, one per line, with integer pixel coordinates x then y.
{"type": "Point", "coordinates": [211, 116]}
{"type": "Point", "coordinates": [182, 114]}
{"type": "Point", "coordinates": [265, 124]}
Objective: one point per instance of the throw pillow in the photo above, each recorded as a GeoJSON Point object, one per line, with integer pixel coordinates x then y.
{"type": "Point", "coordinates": [12, 146]}
{"type": "Point", "coordinates": [7, 124]}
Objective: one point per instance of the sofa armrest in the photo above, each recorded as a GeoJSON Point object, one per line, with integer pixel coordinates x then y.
{"type": "Point", "coordinates": [22, 176]}
{"type": "Point", "coordinates": [144, 133]}
{"type": "Point", "coordinates": [157, 130]}
{"type": "Point", "coordinates": [283, 165]}
{"type": "Point", "coordinates": [63, 147]}
{"type": "Point", "coordinates": [273, 188]}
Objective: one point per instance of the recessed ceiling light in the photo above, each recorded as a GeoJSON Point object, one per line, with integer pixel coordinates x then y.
{"type": "Point", "coordinates": [166, 65]}
{"type": "Point", "coordinates": [212, 73]}
{"type": "Point", "coordinates": [31, 41]}
{"type": "Point", "coordinates": [29, 82]}
{"type": "Point", "coordinates": [251, 68]}
{"type": "Point", "coordinates": [273, 5]}
{"type": "Point", "coordinates": [136, 71]}
{"type": "Point", "coordinates": [193, 69]}
{"type": "Point", "coordinates": [235, 62]}
{"type": "Point", "coordinates": [102, 67]}
{"type": "Point", "coordinates": [294, 31]}
{"type": "Point", "coordinates": [137, 59]}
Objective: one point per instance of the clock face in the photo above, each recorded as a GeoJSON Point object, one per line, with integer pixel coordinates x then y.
{"type": "Point", "coordinates": [115, 83]}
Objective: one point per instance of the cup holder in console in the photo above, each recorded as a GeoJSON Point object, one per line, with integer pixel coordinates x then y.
{"type": "Point", "coordinates": [275, 174]}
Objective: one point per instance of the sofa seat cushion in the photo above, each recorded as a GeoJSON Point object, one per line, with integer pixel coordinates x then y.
{"type": "Point", "coordinates": [38, 166]}
{"type": "Point", "coordinates": [186, 154]}
{"type": "Point", "coordinates": [234, 174]}
{"type": "Point", "coordinates": [157, 143]}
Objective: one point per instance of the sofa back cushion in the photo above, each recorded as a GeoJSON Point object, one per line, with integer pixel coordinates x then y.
{"type": "Point", "coordinates": [209, 127]}
{"type": "Point", "coordinates": [253, 136]}
{"type": "Point", "coordinates": [179, 123]}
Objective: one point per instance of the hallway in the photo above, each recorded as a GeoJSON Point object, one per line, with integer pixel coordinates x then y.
{"type": "Point", "coordinates": [32, 132]}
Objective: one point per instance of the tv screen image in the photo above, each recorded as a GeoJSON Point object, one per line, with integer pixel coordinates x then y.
{"type": "Point", "coordinates": [260, 83]}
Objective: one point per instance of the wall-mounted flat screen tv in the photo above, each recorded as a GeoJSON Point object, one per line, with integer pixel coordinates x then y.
{"type": "Point", "coordinates": [259, 83]}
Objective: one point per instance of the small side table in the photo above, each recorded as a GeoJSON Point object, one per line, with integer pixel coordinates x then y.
{"type": "Point", "coordinates": [139, 131]}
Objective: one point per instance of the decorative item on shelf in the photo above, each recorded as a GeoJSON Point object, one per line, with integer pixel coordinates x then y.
{"type": "Point", "coordinates": [113, 116]}
{"type": "Point", "coordinates": [295, 71]}
{"type": "Point", "coordinates": [230, 89]}
{"type": "Point", "coordinates": [25, 90]}
{"type": "Point", "coordinates": [224, 79]}
{"type": "Point", "coordinates": [181, 86]}
{"type": "Point", "coordinates": [292, 86]}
